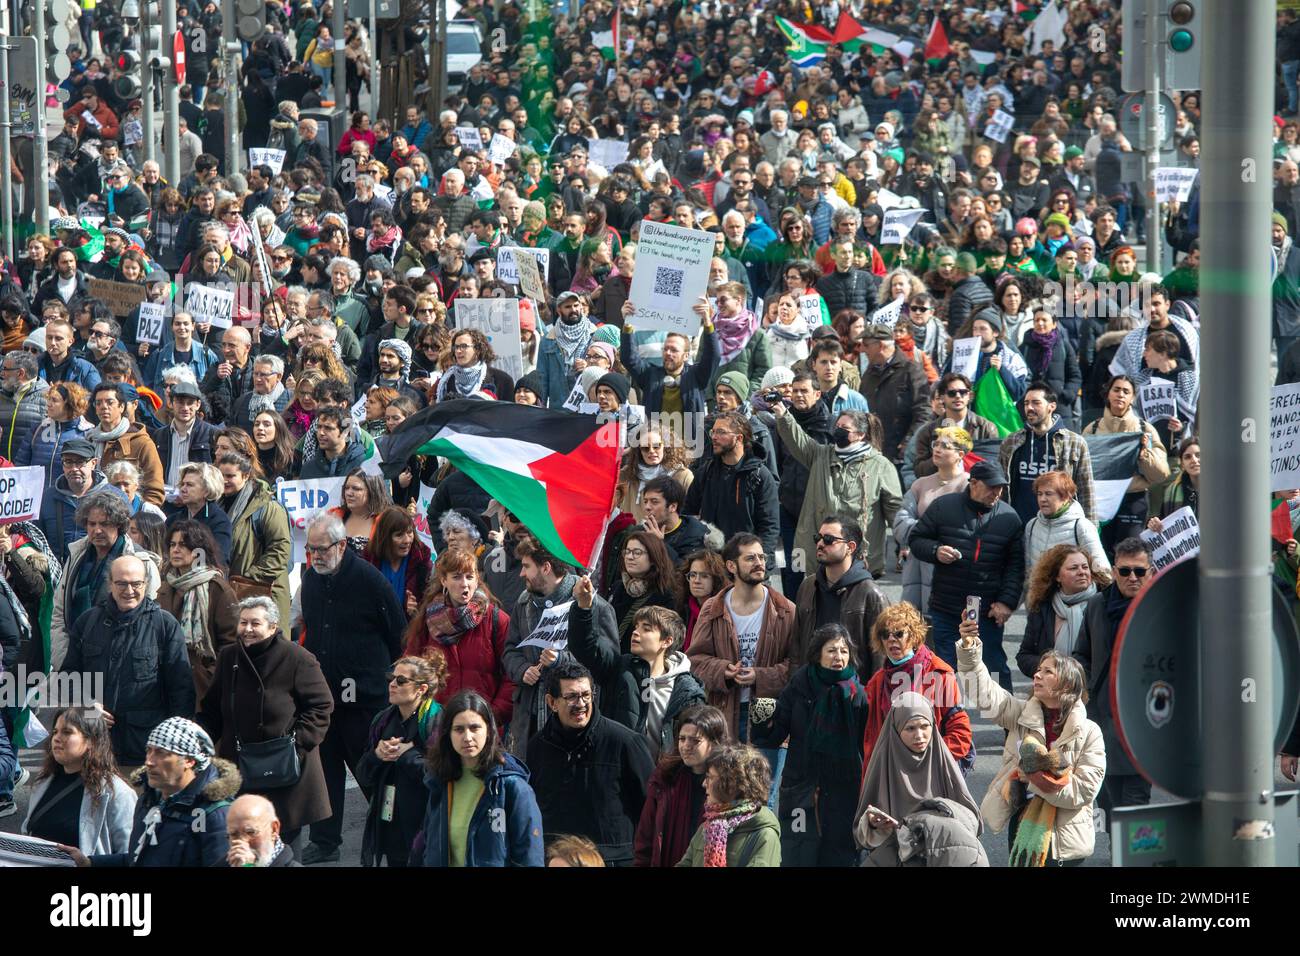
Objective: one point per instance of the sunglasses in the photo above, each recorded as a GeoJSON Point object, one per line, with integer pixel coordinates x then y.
{"type": "Point", "coordinates": [399, 680]}
{"type": "Point", "coordinates": [1137, 572]}
{"type": "Point", "coordinates": [828, 539]}
{"type": "Point", "coordinates": [957, 392]}
{"type": "Point", "coordinates": [897, 635]}
{"type": "Point", "coordinates": [919, 308]}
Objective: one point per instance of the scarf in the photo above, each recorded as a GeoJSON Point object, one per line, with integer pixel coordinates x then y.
{"type": "Point", "coordinates": [636, 587]}
{"type": "Point", "coordinates": [465, 380]}
{"type": "Point", "coordinates": [1048, 345]}
{"type": "Point", "coordinates": [448, 622]}
{"type": "Point", "coordinates": [847, 456]}
{"type": "Point", "coordinates": [386, 240]}
{"type": "Point", "coordinates": [193, 619]}
{"type": "Point", "coordinates": [832, 732]}
{"type": "Point", "coordinates": [1070, 609]}
{"type": "Point", "coordinates": [236, 509]}
{"type": "Point", "coordinates": [720, 821]}
{"type": "Point", "coordinates": [796, 331]}
{"type": "Point", "coordinates": [1034, 833]}
{"type": "Point", "coordinates": [573, 338]}
{"type": "Point", "coordinates": [1116, 605]}
{"type": "Point", "coordinates": [734, 333]}
{"type": "Point", "coordinates": [650, 472]}
{"type": "Point", "coordinates": [240, 237]}
{"type": "Point", "coordinates": [258, 403]}
{"type": "Point", "coordinates": [102, 438]}
{"type": "Point", "coordinates": [912, 669]}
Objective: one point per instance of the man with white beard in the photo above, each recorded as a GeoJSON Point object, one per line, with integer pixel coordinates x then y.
{"type": "Point", "coordinates": [254, 832]}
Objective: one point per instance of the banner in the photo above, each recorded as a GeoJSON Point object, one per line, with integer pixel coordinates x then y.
{"type": "Point", "coordinates": [889, 315]}
{"type": "Point", "coordinates": [1158, 401]}
{"type": "Point", "coordinates": [966, 356]}
{"type": "Point", "coordinates": [508, 266]}
{"type": "Point", "coordinates": [469, 137]}
{"type": "Point", "coordinates": [1180, 537]}
{"type": "Point", "coordinates": [208, 304]}
{"type": "Point", "coordinates": [1284, 438]}
{"type": "Point", "coordinates": [672, 272]}
{"type": "Point", "coordinates": [552, 629]}
{"type": "Point", "coordinates": [121, 297]}
{"type": "Point", "coordinates": [266, 157]}
{"type": "Point", "coordinates": [1174, 183]}
{"type": "Point", "coordinates": [304, 499]}
{"type": "Point", "coordinates": [21, 490]}
{"type": "Point", "coordinates": [149, 328]}
{"type": "Point", "coordinates": [498, 319]}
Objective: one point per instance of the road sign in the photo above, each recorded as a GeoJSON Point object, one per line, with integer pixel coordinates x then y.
{"type": "Point", "coordinates": [1132, 122]}
{"type": "Point", "coordinates": [178, 55]}
{"type": "Point", "coordinates": [1155, 680]}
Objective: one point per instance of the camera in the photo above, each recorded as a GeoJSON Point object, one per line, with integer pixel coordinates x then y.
{"type": "Point", "coordinates": [772, 397]}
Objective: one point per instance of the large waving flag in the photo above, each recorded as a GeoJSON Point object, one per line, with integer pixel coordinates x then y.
{"type": "Point", "coordinates": [553, 470]}
{"type": "Point", "coordinates": [607, 40]}
{"type": "Point", "coordinates": [807, 43]}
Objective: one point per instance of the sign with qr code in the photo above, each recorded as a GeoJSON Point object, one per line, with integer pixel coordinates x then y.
{"type": "Point", "coordinates": [672, 272]}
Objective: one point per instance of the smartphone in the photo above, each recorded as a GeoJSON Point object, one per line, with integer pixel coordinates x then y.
{"type": "Point", "coordinates": [972, 608]}
{"type": "Point", "coordinates": [881, 813]}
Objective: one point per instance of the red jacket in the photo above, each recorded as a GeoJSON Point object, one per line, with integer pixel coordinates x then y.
{"type": "Point", "coordinates": [929, 675]}
{"type": "Point", "coordinates": [474, 662]}
{"type": "Point", "coordinates": [665, 829]}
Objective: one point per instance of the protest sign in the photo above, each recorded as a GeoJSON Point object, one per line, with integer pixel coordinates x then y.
{"type": "Point", "coordinates": [507, 263]}
{"type": "Point", "coordinates": [607, 152]}
{"type": "Point", "coordinates": [21, 490]}
{"type": "Point", "coordinates": [999, 126]}
{"type": "Point", "coordinates": [530, 279]}
{"type": "Point", "coordinates": [259, 254]}
{"type": "Point", "coordinates": [304, 499]}
{"type": "Point", "coordinates": [500, 149]}
{"type": "Point", "coordinates": [888, 199]}
{"type": "Point", "coordinates": [132, 132]}
{"type": "Point", "coordinates": [266, 157]}
{"type": "Point", "coordinates": [1180, 537]}
{"type": "Point", "coordinates": [469, 137]}
{"type": "Point", "coordinates": [121, 297]}
{"type": "Point", "coordinates": [149, 329]}
{"type": "Point", "coordinates": [888, 315]}
{"type": "Point", "coordinates": [209, 304]}
{"type": "Point", "coordinates": [966, 356]}
{"type": "Point", "coordinates": [1284, 438]}
{"type": "Point", "coordinates": [498, 319]}
{"type": "Point", "coordinates": [654, 169]}
{"type": "Point", "coordinates": [552, 629]}
{"type": "Point", "coordinates": [810, 309]}
{"type": "Point", "coordinates": [421, 517]}
{"type": "Point", "coordinates": [359, 410]}
{"type": "Point", "coordinates": [383, 192]}
{"type": "Point", "coordinates": [898, 223]}
{"type": "Point", "coordinates": [577, 397]}
{"type": "Point", "coordinates": [1158, 400]}
{"type": "Point", "coordinates": [672, 272]}
{"type": "Point", "coordinates": [1174, 183]}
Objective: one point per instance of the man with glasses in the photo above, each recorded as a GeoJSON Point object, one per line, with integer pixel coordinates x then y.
{"type": "Point", "coordinates": [268, 394]}
{"type": "Point", "coordinates": [232, 377]}
{"type": "Point", "coordinates": [105, 335]}
{"type": "Point", "coordinates": [955, 393]}
{"type": "Point", "coordinates": [840, 592]}
{"type": "Point", "coordinates": [1123, 786]}
{"type": "Point", "coordinates": [22, 401]}
{"type": "Point", "coordinates": [353, 624]}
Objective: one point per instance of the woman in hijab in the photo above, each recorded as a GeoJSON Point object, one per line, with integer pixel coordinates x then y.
{"type": "Point", "coordinates": [823, 713]}
{"type": "Point", "coordinates": [1060, 586]}
{"type": "Point", "coordinates": [911, 770]}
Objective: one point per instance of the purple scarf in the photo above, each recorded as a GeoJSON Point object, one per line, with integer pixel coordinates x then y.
{"type": "Point", "coordinates": [1048, 345]}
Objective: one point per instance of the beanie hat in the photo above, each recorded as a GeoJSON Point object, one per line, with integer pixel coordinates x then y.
{"type": "Point", "coordinates": [532, 382]}
{"type": "Point", "coordinates": [1026, 227]}
{"type": "Point", "coordinates": [616, 383]}
{"type": "Point", "coordinates": [887, 126]}
{"type": "Point", "coordinates": [896, 154]}
{"type": "Point", "coordinates": [738, 383]}
{"type": "Point", "coordinates": [1072, 152]}
{"type": "Point", "coordinates": [992, 316]}
{"type": "Point", "coordinates": [1280, 220]}
{"type": "Point", "coordinates": [610, 335]}
{"type": "Point", "coordinates": [775, 377]}
{"type": "Point", "coordinates": [604, 348]}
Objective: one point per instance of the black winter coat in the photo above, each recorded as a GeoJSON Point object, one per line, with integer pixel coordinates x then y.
{"type": "Point", "coordinates": [855, 289]}
{"type": "Point", "coordinates": [1093, 650]}
{"type": "Point", "coordinates": [899, 395]}
{"type": "Point", "coordinates": [592, 783]}
{"type": "Point", "coordinates": [740, 497]}
{"type": "Point", "coordinates": [1040, 637]}
{"type": "Point", "coordinates": [353, 623]}
{"type": "Point", "coordinates": [992, 546]}
{"type": "Point", "coordinates": [968, 297]}
{"type": "Point", "coordinates": [816, 424]}
{"type": "Point", "coordinates": [142, 657]}
{"type": "Point", "coordinates": [624, 680]}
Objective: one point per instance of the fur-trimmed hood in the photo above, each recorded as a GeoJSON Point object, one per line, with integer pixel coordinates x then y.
{"type": "Point", "coordinates": [223, 782]}
{"type": "Point", "coordinates": [1111, 339]}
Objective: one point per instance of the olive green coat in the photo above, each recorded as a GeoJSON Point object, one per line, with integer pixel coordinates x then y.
{"type": "Point", "coordinates": [261, 547]}
{"type": "Point", "coordinates": [756, 842]}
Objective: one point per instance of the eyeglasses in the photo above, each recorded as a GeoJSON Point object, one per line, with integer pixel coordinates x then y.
{"type": "Point", "coordinates": [1137, 572]}
{"type": "Point", "coordinates": [920, 308]}
{"type": "Point", "coordinates": [698, 576]}
{"type": "Point", "coordinates": [102, 335]}
{"type": "Point", "coordinates": [584, 697]}
{"type": "Point", "coordinates": [635, 552]}
{"type": "Point", "coordinates": [279, 258]}
{"type": "Point", "coordinates": [462, 347]}
{"type": "Point", "coordinates": [129, 585]}
{"type": "Point", "coordinates": [420, 311]}
{"type": "Point", "coordinates": [323, 549]}
{"type": "Point", "coordinates": [828, 539]}
{"type": "Point", "coordinates": [945, 446]}
{"type": "Point", "coordinates": [957, 392]}
{"type": "Point", "coordinates": [399, 680]}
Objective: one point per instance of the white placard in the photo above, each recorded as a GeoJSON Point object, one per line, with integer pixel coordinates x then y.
{"type": "Point", "coordinates": [530, 279]}
{"type": "Point", "coordinates": [208, 304]}
{"type": "Point", "coordinates": [552, 629]}
{"type": "Point", "coordinates": [672, 272]}
{"type": "Point", "coordinates": [21, 490]}
{"type": "Point", "coordinates": [469, 137]}
{"type": "Point", "coordinates": [1284, 439]}
{"type": "Point", "coordinates": [810, 309]}
{"type": "Point", "coordinates": [1158, 400]}
{"type": "Point", "coordinates": [359, 410]}
{"type": "Point", "coordinates": [607, 152]}
{"type": "Point", "coordinates": [498, 319]}
{"type": "Point", "coordinates": [966, 356]}
{"type": "Point", "coordinates": [421, 517]}
{"type": "Point", "coordinates": [653, 170]}
{"type": "Point", "coordinates": [304, 499]}
{"type": "Point", "coordinates": [1180, 537]}
{"type": "Point", "coordinates": [999, 126]}
{"type": "Point", "coordinates": [383, 192]}
{"type": "Point", "coordinates": [266, 157]}
{"type": "Point", "coordinates": [889, 315]}
{"type": "Point", "coordinates": [888, 199]}
{"type": "Point", "coordinates": [508, 269]}
{"type": "Point", "coordinates": [132, 132]}
{"type": "Point", "coordinates": [577, 397]}
{"type": "Point", "coordinates": [149, 327]}
{"type": "Point", "coordinates": [1174, 183]}
{"type": "Point", "coordinates": [898, 223]}
{"type": "Point", "coordinates": [500, 149]}
{"type": "Point", "coordinates": [89, 117]}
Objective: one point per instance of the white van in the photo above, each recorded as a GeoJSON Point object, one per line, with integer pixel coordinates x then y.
{"type": "Point", "coordinates": [464, 49]}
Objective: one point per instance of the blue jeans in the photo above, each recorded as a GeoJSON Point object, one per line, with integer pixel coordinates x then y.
{"type": "Point", "coordinates": [944, 631]}
{"type": "Point", "coordinates": [775, 756]}
{"type": "Point", "coordinates": [1290, 70]}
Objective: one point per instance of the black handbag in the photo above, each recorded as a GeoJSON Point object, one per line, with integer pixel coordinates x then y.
{"type": "Point", "coordinates": [265, 764]}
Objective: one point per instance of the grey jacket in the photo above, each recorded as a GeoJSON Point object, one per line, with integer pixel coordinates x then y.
{"type": "Point", "coordinates": [939, 832]}
{"type": "Point", "coordinates": [105, 825]}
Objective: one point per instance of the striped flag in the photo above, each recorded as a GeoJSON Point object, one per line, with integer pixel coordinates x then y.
{"type": "Point", "coordinates": [807, 43]}
{"type": "Point", "coordinates": [607, 40]}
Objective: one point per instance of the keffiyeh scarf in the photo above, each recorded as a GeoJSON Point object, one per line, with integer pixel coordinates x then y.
{"type": "Point", "coordinates": [462, 380]}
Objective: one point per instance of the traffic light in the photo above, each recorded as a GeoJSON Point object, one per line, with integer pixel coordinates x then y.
{"type": "Point", "coordinates": [1183, 70]}
{"type": "Point", "coordinates": [127, 86]}
{"type": "Point", "coordinates": [1180, 47]}
{"type": "Point", "coordinates": [250, 19]}
{"type": "Point", "coordinates": [58, 65]}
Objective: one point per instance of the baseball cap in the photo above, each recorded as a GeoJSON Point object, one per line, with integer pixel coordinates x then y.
{"type": "Point", "coordinates": [988, 472]}
{"type": "Point", "coordinates": [78, 448]}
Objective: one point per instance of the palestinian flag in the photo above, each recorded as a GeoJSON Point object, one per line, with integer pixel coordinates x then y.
{"type": "Point", "coordinates": [607, 40]}
{"type": "Point", "coordinates": [1114, 463]}
{"type": "Point", "coordinates": [848, 33]}
{"type": "Point", "coordinates": [554, 470]}
{"type": "Point", "coordinates": [936, 44]}
{"type": "Point", "coordinates": [1023, 10]}
{"type": "Point", "coordinates": [807, 43]}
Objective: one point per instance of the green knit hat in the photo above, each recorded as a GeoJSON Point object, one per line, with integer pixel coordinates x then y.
{"type": "Point", "coordinates": [737, 383]}
{"type": "Point", "coordinates": [1280, 220]}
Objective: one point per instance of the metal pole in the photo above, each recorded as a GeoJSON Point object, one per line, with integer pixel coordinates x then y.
{"type": "Point", "coordinates": [230, 47]}
{"type": "Point", "coordinates": [6, 155]}
{"type": "Point", "coordinates": [40, 142]}
{"type": "Point", "coordinates": [374, 63]}
{"type": "Point", "coordinates": [1236, 625]}
{"type": "Point", "coordinates": [171, 98]}
{"type": "Point", "coordinates": [438, 61]}
{"type": "Point", "coordinates": [340, 66]}
{"type": "Point", "coordinates": [150, 150]}
{"type": "Point", "coordinates": [1155, 54]}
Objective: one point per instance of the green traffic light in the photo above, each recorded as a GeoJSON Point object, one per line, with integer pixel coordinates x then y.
{"type": "Point", "coordinates": [1181, 40]}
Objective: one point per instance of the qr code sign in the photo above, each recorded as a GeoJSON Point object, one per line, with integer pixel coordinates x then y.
{"type": "Point", "coordinates": [668, 281]}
